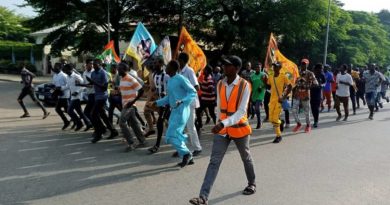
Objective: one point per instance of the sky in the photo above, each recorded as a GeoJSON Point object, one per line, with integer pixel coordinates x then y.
{"type": "Point", "coordinates": [360, 5]}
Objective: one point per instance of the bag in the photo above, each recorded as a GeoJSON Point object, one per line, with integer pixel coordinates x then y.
{"type": "Point", "coordinates": [286, 104]}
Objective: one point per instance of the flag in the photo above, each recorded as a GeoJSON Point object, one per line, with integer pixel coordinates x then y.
{"type": "Point", "coordinates": [163, 51]}
{"type": "Point", "coordinates": [186, 44]}
{"type": "Point", "coordinates": [273, 54]}
{"type": "Point", "coordinates": [141, 45]}
{"type": "Point", "coordinates": [109, 55]}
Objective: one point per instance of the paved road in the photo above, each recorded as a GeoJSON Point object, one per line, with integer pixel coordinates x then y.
{"type": "Point", "coordinates": [338, 163]}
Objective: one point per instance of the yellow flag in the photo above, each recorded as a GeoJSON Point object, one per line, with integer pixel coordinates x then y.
{"type": "Point", "coordinates": [274, 55]}
{"type": "Point", "coordinates": [197, 59]}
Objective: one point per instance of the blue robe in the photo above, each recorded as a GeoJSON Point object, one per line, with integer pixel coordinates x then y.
{"type": "Point", "coordinates": [179, 88]}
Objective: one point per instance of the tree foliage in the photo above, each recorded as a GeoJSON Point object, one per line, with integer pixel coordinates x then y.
{"type": "Point", "coordinates": [224, 26]}
{"type": "Point", "coordinates": [11, 26]}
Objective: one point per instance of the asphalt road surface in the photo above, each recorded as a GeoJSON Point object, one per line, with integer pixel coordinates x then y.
{"type": "Point", "coordinates": [337, 163]}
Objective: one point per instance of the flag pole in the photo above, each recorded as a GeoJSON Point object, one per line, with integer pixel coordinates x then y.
{"type": "Point", "coordinates": [327, 35]}
{"type": "Point", "coordinates": [108, 21]}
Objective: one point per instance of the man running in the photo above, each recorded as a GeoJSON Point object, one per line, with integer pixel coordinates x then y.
{"type": "Point", "coordinates": [372, 80]}
{"type": "Point", "coordinates": [28, 89]}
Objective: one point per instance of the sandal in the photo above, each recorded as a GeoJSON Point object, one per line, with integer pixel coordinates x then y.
{"type": "Point", "coordinates": [198, 201]}
{"type": "Point", "coordinates": [153, 149]}
{"type": "Point", "coordinates": [249, 190]}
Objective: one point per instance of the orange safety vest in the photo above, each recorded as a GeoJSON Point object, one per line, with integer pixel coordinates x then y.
{"type": "Point", "coordinates": [229, 107]}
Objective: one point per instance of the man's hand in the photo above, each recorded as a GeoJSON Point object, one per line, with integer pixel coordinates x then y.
{"type": "Point", "coordinates": [217, 128]}
{"type": "Point", "coordinates": [178, 102]}
{"type": "Point", "coordinates": [89, 79]}
{"type": "Point", "coordinates": [129, 105]}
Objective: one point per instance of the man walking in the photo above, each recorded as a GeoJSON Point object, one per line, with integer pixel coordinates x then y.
{"type": "Point", "coordinates": [301, 95]}
{"type": "Point", "coordinates": [131, 90]}
{"type": "Point", "coordinates": [189, 73]}
{"type": "Point", "coordinates": [28, 89]}
{"type": "Point", "coordinates": [344, 82]}
{"type": "Point", "coordinates": [327, 89]}
{"type": "Point", "coordinates": [372, 80]}
{"type": "Point", "coordinates": [258, 92]}
{"type": "Point", "coordinates": [233, 94]}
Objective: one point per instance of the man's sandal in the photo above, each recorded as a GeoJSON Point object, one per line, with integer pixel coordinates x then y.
{"type": "Point", "coordinates": [153, 149]}
{"type": "Point", "coordinates": [249, 190]}
{"type": "Point", "coordinates": [198, 201]}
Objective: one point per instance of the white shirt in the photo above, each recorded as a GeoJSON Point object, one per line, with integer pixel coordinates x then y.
{"type": "Point", "coordinates": [89, 90]}
{"type": "Point", "coordinates": [242, 108]}
{"type": "Point", "coordinates": [342, 89]}
{"type": "Point", "coordinates": [72, 79]}
{"type": "Point", "coordinates": [133, 72]}
{"type": "Point", "coordinates": [189, 73]}
{"type": "Point", "coordinates": [60, 80]}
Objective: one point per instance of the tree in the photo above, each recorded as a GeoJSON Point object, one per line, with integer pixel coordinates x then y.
{"type": "Point", "coordinates": [11, 26]}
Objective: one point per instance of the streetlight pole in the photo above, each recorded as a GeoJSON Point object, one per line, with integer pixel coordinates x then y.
{"type": "Point", "coordinates": [327, 35]}
{"type": "Point", "coordinates": [108, 21]}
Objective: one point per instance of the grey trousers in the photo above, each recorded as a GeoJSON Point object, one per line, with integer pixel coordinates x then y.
{"type": "Point", "coordinates": [220, 145]}
{"type": "Point", "coordinates": [128, 117]}
{"type": "Point", "coordinates": [306, 109]}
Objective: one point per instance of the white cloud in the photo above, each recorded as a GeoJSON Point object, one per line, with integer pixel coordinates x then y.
{"type": "Point", "coordinates": [366, 5]}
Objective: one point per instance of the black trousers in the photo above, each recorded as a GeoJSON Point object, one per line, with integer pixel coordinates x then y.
{"type": "Point", "coordinates": [163, 114]}
{"type": "Point", "coordinates": [98, 114]}
{"type": "Point", "coordinates": [203, 106]}
{"type": "Point", "coordinates": [115, 102]}
{"type": "Point", "coordinates": [353, 99]}
{"type": "Point", "coordinates": [62, 108]}
{"type": "Point", "coordinates": [89, 106]}
{"type": "Point", "coordinates": [267, 97]}
{"type": "Point", "coordinates": [360, 95]}
{"type": "Point", "coordinates": [315, 108]}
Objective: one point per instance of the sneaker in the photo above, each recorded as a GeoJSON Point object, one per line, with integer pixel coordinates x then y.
{"type": "Point", "coordinates": [187, 160]}
{"type": "Point", "coordinates": [207, 120]}
{"type": "Point", "coordinates": [277, 139]}
{"type": "Point", "coordinates": [175, 154]}
{"type": "Point", "coordinates": [381, 105]}
{"type": "Point", "coordinates": [196, 153]}
{"type": "Point", "coordinates": [150, 132]}
{"type": "Point", "coordinates": [88, 128]}
{"type": "Point", "coordinates": [315, 125]}
{"type": "Point", "coordinates": [113, 134]}
{"type": "Point", "coordinates": [25, 115]}
{"type": "Point", "coordinates": [45, 115]}
{"type": "Point", "coordinates": [97, 138]}
{"type": "Point", "coordinates": [354, 112]}
{"type": "Point", "coordinates": [387, 99]}
{"type": "Point", "coordinates": [371, 116]}
{"type": "Point", "coordinates": [73, 126]}
{"type": "Point", "coordinates": [258, 126]}
{"type": "Point", "coordinates": [338, 118]}
{"type": "Point", "coordinates": [296, 128]}
{"type": "Point", "coordinates": [66, 125]}
{"type": "Point", "coordinates": [345, 119]}
{"type": "Point", "coordinates": [129, 148]}
{"type": "Point", "coordinates": [78, 127]}
{"type": "Point", "coordinates": [307, 129]}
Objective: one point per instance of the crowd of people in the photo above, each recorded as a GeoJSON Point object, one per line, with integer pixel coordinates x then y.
{"type": "Point", "coordinates": [227, 94]}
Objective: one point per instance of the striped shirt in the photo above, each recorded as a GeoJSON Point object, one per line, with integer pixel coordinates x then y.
{"type": "Point", "coordinates": [207, 88]}
{"type": "Point", "coordinates": [129, 86]}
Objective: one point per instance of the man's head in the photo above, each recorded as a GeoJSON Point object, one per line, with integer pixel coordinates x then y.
{"type": "Point", "coordinates": [258, 67]}
{"type": "Point", "coordinates": [327, 68]}
{"type": "Point", "coordinates": [207, 70]}
{"type": "Point", "coordinates": [371, 67]}
{"type": "Point", "coordinates": [68, 69]}
{"type": "Point", "coordinates": [97, 63]}
{"type": "Point", "coordinates": [183, 59]}
{"type": "Point", "coordinates": [343, 68]}
{"type": "Point", "coordinates": [304, 64]}
{"type": "Point", "coordinates": [172, 67]}
{"type": "Point", "coordinates": [57, 67]}
{"type": "Point", "coordinates": [89, 64]}
{"type": "Point", "coordinates": [114, 69]}
{"type": "Point", "coordinates": [231, 65]}
{"type": "Point", "coordinates": [248, 65]}
{"type": "Point", "coordinates": [159, 64]}
{"type": "Point", "coordinates": [217, 69]}
{"type": "Point", "coordinates": [277, 66]}
{"type": "Point", "coordinates": [123, 68]}
{"type": "Point", "coordinates": [318, 68]}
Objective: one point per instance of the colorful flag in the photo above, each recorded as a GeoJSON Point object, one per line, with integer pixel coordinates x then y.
{"type": "Point", "coordinates": [186, 44]}
{"type": "Point", "coordinates": [163, 51]}
{"type": "Point", "coordinates": [141, 45]}
{"type": "Point", "coordinates": [274, 54]}
{"type": "Point", "coordinates": [109, 55]}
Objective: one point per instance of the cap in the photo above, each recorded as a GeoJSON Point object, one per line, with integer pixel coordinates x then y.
{"type": "Point", "coordinates": [306, 61]}
{"type": "Point", "coordinates": [277, 64]}
{"type": "Point", "coordinates": [232, 60]}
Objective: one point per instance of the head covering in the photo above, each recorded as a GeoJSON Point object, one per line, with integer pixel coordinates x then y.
{"type": "Point", "coordinates": [232, 60]}
{"type": "Point", "coordinates": [306, 61]}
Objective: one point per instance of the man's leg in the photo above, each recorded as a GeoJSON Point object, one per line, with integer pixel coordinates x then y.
{"type": "Point", "coordinates": [34, 99]}
{"type": "Point", "coordinates": [257, 112]}
{"type": "Point", "coordinates": [148, 110]}
{"type": "Point", "coordinates": [370, 98]}
{"type": "Point", "coordinates": [346, 107]}
{"type": "Point", "coordinates": [242, 145]}
{"type": "Point", "coordinates": [295, 110]}
{"type": "Point", "coordinates": [220, 145]}
{"type": "Point", "coordinates": [72, 114]}
{"type": "Point", "coordinates": [353, 100]}
{"type": "Point", "coordinates": [266, 104]}
{"type": "Point", "coordinates": [306, 110]}
{"type": "Point", "coordinates": [192, 131]}
{"type": "Point", "coordinates": [63, 103]}
{"type": "Point", "coordinates": [136, 126]}
{"type": "Point", "coordinates": [109, 125]}
{"type": "Point", "coordinates": [23, 94]}
{"type": "Point", "coordinates": [125, 115]}
{"type": "Point", "coordinates": [96, 121]}
{"type": "Point", "coordinates": [89, 106]}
